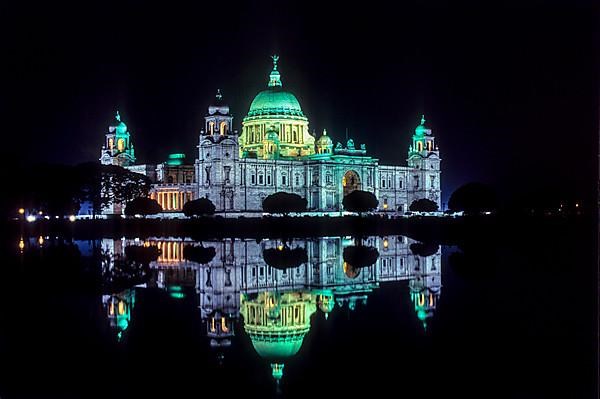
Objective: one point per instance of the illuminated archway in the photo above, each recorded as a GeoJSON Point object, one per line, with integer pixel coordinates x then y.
{"type": "Point", "coordinates": [350, 182]}
{"type": "Point", "coordinates": [223, 128]}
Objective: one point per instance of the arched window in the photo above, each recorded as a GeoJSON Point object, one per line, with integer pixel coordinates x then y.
{"type": "Point", "coordinates": [295, 136]}
{"type": "Point", "coordinates": [284, 180]}
{"type": "Point", "coordinates": [211, 127]}
{"type": "Point", "coordinates": [223, 128]}
{"type": "Point", "coordinates": [111, 143]}
{"type": "Point", "coordinates": [419, 146]}
{"type": "Point", "coordinates": [121, 145]}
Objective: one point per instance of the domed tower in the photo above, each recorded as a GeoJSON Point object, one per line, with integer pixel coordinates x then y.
{"type": "Point", "coordinates": [277, 324]}
{"type": "Point", "coordinates": [218, 153]}
{"type": "Point", "coordinates": [117, 148]}
{"type": "Point", "coordinates": [279, 108]}
{"type": "Point", "coordinates": [424, 158]}
{"type": "Point", "coordinates": [324, 144]}
{"type": "Point", "coordinates": [219, 120]}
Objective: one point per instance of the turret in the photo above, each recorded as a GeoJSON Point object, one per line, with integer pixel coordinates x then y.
{"type": "Point", "coordinates": [424, 157]}
{"type": "Point", "coordinates": [117, 148]}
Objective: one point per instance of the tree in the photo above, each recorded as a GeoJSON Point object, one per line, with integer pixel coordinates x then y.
{"type": "Point", "coordinates": [142, 206]}
{"type": "Point", "coordinates": [282, 202]}
{"type": "Point", "coordinates": [199, 207]}
{"type": "Point", "coordinates": [473, 198]}
{"type": "Point", "coordinates": [284, 257]}
{"type": "Point", "coordinates": [201, 254]}
{"type": "Point", "coordinates": [360, 256]}
{"type": "Point", "coordinates": [423, 205]}
{"type": "Point", "coordinates": [360, 201]}
{"type": "Point", "coordinates": [424, 249]}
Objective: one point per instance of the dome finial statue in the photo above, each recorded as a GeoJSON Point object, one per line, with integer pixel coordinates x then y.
{"type": "Point", "coordinates": [118, 116]}
{"type": "Point", "coordinates": [219, 95]}
{"type": "Point", "coordinates": [275, 77]}
{"type": "Point", "coordinates": [275, 58]}
{"type": "Point", "coordinates": [422, 119]}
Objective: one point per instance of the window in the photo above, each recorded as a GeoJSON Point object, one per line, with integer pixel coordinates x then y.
{"type": "Point", "coordinates": [227, 170]}
{"type": "Point", "coordinates": [328, 178]}
{"type": "Point", "coordinates": [253, 178]}
{"type": "Point", "coordinates": [383, 182]}
{"type": "Point", "coordinates": [170, 179]}
{"type": "Point", "coordinates": [400, 183]}
{"type": "Point", "coordinates": [284, 180]}
{"type": "Point", "coordinates": [297, 179]}
{"type": "Point", "coordinates": [269, 180]}
{"type": "Point", "coordinates": [389, 182]}
{"type": "Point", "coordinates": [261, 179]}
{"type": "Point", "coordinates": [295, 136]}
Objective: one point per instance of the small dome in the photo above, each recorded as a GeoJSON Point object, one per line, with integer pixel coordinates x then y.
{"type": "Point", "coordinates": [324, 140]}
{"type": "Point", "coordinates": [118, 125]}
{"type": "Point", "coordinates": [422, 130]}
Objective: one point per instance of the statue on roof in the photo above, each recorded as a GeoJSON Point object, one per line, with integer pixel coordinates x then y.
{"type": "Point", "coordinates": [275, 58]}
{"type": "Point", "coordinates": [350, 144]}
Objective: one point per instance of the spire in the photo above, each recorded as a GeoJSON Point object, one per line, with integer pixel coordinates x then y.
{"type": "Point", "coordinates": [118, 117]}
{"type": "Point", "coordinates": [324, 132]}
{"type": "Point", "coordinates": [275, 78]}
{"type": "Point", "coordinates": [422, 120]}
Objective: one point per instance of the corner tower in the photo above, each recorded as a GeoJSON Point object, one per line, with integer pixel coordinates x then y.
{"type": "Point", "coordinates": [117, 148]}
{"type": "Point", "coordinates": [424, 158]}
{"type": "Point", "coordinates": [275, 111]}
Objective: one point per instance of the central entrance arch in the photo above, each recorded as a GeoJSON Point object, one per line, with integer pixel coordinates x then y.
{"type": "Point", "coordinates": [350, 182]}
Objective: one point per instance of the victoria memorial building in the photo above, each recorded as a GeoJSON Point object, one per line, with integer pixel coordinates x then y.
{"type": "Point", "coordinates": [275, 151]}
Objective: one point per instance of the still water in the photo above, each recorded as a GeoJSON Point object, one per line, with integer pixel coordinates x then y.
{"type": "Point", "coordinates": [166, 317]}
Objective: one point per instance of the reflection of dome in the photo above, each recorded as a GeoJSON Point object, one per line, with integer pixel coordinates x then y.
{"type": "Point", "coordinates": [277, 323]}
{"type": "Point", "coordinates": [275, 101]}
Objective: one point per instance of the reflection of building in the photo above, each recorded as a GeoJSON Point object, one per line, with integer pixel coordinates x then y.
{"type": "Point", "coordinates": [276, 151]}
{"type": "Point", "coordinates": [118, 309]}
{"type": "Point", "coordinates": [277, 305]}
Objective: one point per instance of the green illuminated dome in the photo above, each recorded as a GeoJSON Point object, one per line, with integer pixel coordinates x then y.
{"type": "Point", "coordinates": [118, 125]}
{"type": "Point", "coordinates": [277, 348]}
{"type": "Point", "coordinates": [275, 101]}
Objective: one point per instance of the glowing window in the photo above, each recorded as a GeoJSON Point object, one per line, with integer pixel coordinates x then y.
{"type": "Point", "coordinates": [121, 144]}
{"type": "Point", "coordinates": [211, 127]}
{"type": "Point", "coordinates": [223, 128]}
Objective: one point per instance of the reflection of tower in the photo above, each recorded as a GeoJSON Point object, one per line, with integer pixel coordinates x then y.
{"type": "Point", "coordinates": [425, 285]}
{"type": "Point", "coordinates": [118, 309]}
{"type": "Point", "coordinates": [218, 285]}
{"type": "Point", "coordinates": [277, 323]}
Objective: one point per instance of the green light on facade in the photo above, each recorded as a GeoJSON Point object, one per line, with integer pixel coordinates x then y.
{"type": "Point", "coordinates": [177, 295]}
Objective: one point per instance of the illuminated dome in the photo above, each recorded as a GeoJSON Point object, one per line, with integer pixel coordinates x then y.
{"type": "Point", "coordinates": [421, 130]}
{"type": "Point", "coordinates": [118, 125]}
{"type": "Point", "coordinates": [277, 347]}
{"type": "Point", "coordinates": [324, 140]}
{"type": "Point", "coordinates": [276, 102]}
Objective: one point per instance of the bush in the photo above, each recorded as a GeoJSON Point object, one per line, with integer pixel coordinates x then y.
{"type": "Point", "coordinates": [473, 198]}
{"type": "Point", "coordinates": [360, 201]}
{"type": "Point", "coordinates": [142, 206]}
{"type": "Point", "coordinates": [285, 257]}
{"type": "Point", "coordinates": [359, 256]}
{"type": "Point", "coordinates": [284, 203]}
{"type": "Point", "coordinates": [423, 205]}
{"type": "Point", "coordinates": [199, 207]}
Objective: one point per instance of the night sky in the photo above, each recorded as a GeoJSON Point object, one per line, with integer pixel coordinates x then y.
{"type": "Point", "coordinates": [509, 91]}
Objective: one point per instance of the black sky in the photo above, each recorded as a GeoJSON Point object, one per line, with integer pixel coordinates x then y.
{"type": "Point", "coordinates": [510, 91]}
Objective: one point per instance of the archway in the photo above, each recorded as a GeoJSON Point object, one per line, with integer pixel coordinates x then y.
{"type": "Point", "coordinates": [350, 182]}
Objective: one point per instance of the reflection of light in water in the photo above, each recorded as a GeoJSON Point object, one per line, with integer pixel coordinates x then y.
{"type": "Point", "coordinates": [21, 244]}
{"type": "Point", "coordinates": [41, 240]}
{"type": "Point", "coordinates": [350, 270]}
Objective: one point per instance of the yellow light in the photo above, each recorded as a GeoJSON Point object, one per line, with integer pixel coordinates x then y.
{"type": "Point", "coordinates": [421, 300]}
{"type": "Point", "coordinates": [385, 205]}
{"type": "Point", "coordinates": [121, 308]}
{"type": "Point", "coordinates": [41, 240]}
{"type": "Point", "coordinates": [280, 247]}
{"type": "Point", "coordinates": [577, 205]}
{"type": "Point", "coordinates": [40, 213]}
{"type": "Point", "coordinates": [21, 244]}
{"type": "Point", "coordinates": [111, 309]}
{"type": "Point", "coordinates": [21, 211]}
{"type": "Point", "coordinates": [212, 325]}
{"type": "Point", "coordinates": [72, 218]}
{"type": "Point", "coordinates": [385, 243]}
{"type": "Point", "coordinates": [223, 326]}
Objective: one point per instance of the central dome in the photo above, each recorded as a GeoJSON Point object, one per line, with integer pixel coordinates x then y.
{"type": "Point", "coordinates": [275, 101]}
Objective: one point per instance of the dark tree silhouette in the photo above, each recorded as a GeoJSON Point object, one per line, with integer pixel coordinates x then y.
{"type": "Point", "coordinates": [202, 255]}
{"type": "Point", "coordinates": [142, 206]}
{"type": "Point", "coordinates": [424, 248]}
{"type": "Point", "coordinates": [144, 255]}
{"type": "Point", "coordinates": [360, 256]}
{"type": "Point", "coordinates": [284, 203]}
{"type": "Point", "coordinates": [473, 198]}
{"type": "Point", "coordinates": [423, 205]}
{"type": "Point", "coordinates": [199, 207]}
{"type": "Point", "coordinates": [360, 201]}
{"type": "Point", "coordinates": [285, 257]}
